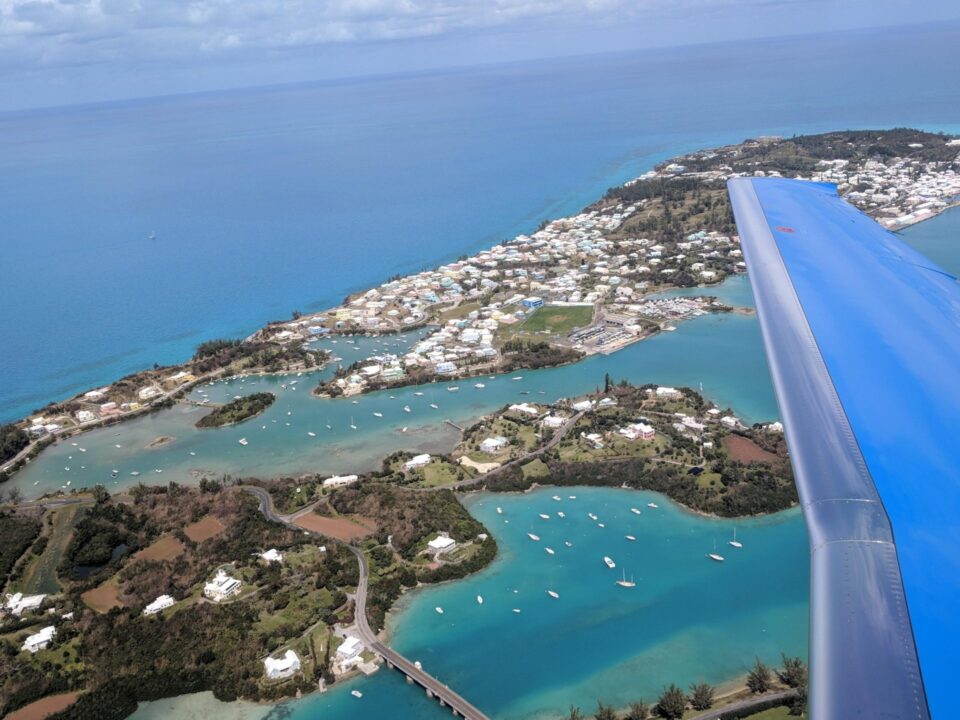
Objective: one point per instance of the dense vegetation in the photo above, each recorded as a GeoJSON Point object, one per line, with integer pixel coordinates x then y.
{"type": "Point", "coordinates": [17, 533]}
{"type": "Point", "coordinates": [532, 355]}
{"type": "Point", "coordinates": [12, 440]}
{"type": "Point", "coordinates": [407, 515]}
{"type": "Point", "coordinates": [238, 410]}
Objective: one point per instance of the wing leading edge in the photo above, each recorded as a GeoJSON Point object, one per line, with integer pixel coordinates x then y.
{"type": "Point", "coordinates": [863, 338]}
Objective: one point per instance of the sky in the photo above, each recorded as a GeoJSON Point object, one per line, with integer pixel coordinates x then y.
{"type": "Point", "coordinates": [62, 52]}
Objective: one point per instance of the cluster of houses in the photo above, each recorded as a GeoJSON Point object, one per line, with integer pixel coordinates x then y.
{"type": "Point", "coordinates": [96, 405]}
{"type": "Point", "coordinates": [17, 605]}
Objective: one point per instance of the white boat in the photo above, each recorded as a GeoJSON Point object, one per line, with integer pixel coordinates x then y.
{"type": "Point", "coordinates": [329, 427]}
{"type": "Point", "coordinates": [714, 556]}
{"type": "Point", "coordinates": [135, 473]}
{"type": "Point", "coordinates": [561, 514]}
{"type": "Point", "coordinates": [311, 434]}
{"type": "Point", "coordinates": [557, 498]}
{"type": "Point", "coordinates": [453, 388]}
{"type": "Point", "coordinates": [623, 582]}
{"type": "Point", "coordinates": [601, 525]}
{"type": "Point", "coordinates": [734, 543]}
{"type": "Point", "coordinates": [591, 516]}
{"type": "Point", "coordinates": [242, 441]}
{"type": "Point", "coordinates": [549, 551]}
{"type": "Point", "coordinates": [571, 497]}
{"type": "Point", "coordinates": [609, 562]}
{"type": "Point", "coordinates": [403, 429]}
{"type": "Point", "coordinates": [479, 386]}
{"type": "Point", "coordinates": [631, 538]}
{"type": "Point", "coordinates": [545, 517]}
{"type": "Point", "coordinates": [356, 693]}
{"type": "Point", "coordinates": [652, 505]}
{"type": "Point", "coordinates": [418, 394]}
{"type": "Point", "coordinates": [634, 511]}
{"type": "Point", "coordinates": [434, 406]}
{"type": "Point", "coordinates": [517, 610]}
{"type": "Point", "coordinates": [479, 599]}
{"type": "Point", "coordinates": [378, 414]}
{"type": "Point", "coordinates": [406, 408]}
{"type": "Point", "coordinates": [552, 594]}
{"type": "Point", "coordinates": [439, 610]}
{"type": "Point", "coordinates": [352, 425]}
{"type": "Point", "coordinates": [535, 538]}
{"type": "Point", "coordinates": [517, 377]}
{"type": "Point", "coordinates": [499, 510]}
{"type": "Point", "coordinates": [568, 543]}
{"type": "Point", "coordinates": [355, 402]}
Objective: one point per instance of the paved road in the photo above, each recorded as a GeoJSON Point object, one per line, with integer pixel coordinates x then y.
{"type": "Point", "coordinates": [745, 704]}
{"type": "Point", "coordinates": [433, 686]}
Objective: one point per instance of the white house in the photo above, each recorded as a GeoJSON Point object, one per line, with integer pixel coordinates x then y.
{"type": "Point", "coordinates": [493, 445]}
{"type": "Point", "coordinates": [583, 405]}
{"type": "Point", "coordinates": [417, 461]}
{"type": "Point", "coordinates": [148, 392]}
{"type": "Point", "coordinates": [278, 668]}
{"type": "Point", "coordinates": [524, 408]}
{"type": "Point", "coordinates": [40, 640]}
{"type": "Point", "coordinates": [638, 431]}
{"type": "Point", "coordinates": [667, 392]}
{"type": "Point", "coordinates": [85, 416]}
{"type": "Point", "coordinates": [441, 542]}
{"type": "Point", "coordinates": [272, 556]}
{"type": "Point", "coordinates": [222, 587]}
{"type": "Point", "coordinates": [339, 481]}
{"type": "Point", "coordinates": [161, 603]}
{"type": "Point", "coordinates": [18, 603]}
{"type": "Point", "coordinates": [729, 421]}
{"type": "Point", "coordinates": [554, 421]}
{"type": "Point", "coordinates": [349, 648]}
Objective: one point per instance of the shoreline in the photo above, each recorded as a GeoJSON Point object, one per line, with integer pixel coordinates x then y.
{"type": "Point", "coordinates": [435, 309]}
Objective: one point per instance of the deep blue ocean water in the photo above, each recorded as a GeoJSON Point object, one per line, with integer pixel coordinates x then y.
{"type": "Point", "coordinates": [265, 201]}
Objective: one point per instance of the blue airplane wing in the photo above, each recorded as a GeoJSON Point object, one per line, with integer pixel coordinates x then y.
{"type": "Point", "coordinates": [863, 338]}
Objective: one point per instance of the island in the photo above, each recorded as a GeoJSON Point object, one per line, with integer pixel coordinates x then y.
{"type": "Point", "coordinates": [585, 284]}
{"type": "Point", "coordinates": [237, 410]}
{"type": "Point", "coordinates": [256, 584]}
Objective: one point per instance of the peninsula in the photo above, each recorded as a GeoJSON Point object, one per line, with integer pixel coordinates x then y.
{"type": "Point", "coordinates": [577, 285]}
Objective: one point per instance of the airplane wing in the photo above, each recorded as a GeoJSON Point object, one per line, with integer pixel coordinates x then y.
{"type": "Point", "coordinates": [863, 338]}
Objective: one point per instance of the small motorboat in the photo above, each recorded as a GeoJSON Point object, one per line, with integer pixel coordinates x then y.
{"type": "Point", "coordinates": [535, 538]}
{"type": "Point", "coordinates": [609, 562]}
{"type": "Point", "coordinates": [553, 594]}
{"type": "Point", "coordinates": [356, 693]}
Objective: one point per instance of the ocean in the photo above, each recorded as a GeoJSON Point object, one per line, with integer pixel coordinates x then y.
{"type": "Point", "coordinates": [271, 200]}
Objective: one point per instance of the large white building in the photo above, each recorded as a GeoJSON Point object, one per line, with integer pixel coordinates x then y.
{"type": "Point", "coordinates": [161, 603]}
{"type": "Point", "coordinates": [417, 461]}
{"type": "Point", "coordinates": [441, 542]}
{"type": "Point", "coordinates": [493, 445]}
{"type": "Point", "coordinates": [18, 603]}
{"type": "Point", "coordinates": [339, 481]}
{"type": "Point", "coordinates": [350, 648]}
{"type": "Point", "coordinates": [40, 640]}
{"type": "Point", "coordinates": [222, 586]}
{"type": "Point", "coordinates": [279, 668]}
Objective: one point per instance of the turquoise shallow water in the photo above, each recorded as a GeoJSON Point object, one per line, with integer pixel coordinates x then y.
{"type": "Point", "coordinates": [736, 375]}
{"type": "Point", "coordinates": [688, 618]}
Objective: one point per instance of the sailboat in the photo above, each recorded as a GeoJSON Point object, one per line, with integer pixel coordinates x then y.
{"type": "Point", "coordinates": [734, 543]}
{"type": "Point", "coordinates": [352, 425]}
{"type": "Point", "coordinates": [714, 555]}
{"type": "Point", "coordinates": [623, 582]}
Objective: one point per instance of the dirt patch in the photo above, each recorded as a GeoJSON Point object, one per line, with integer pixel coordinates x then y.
{"type": "Point", "coordinates": [341, 528]}
{"type": "Point", "coordinates": [745, 450]}
{"type": "Point", "coordinates": [103, 598]}
{"type": "Point", "coordinates": [204, 529]}
{"type": "Point", "coordinates": [166, 548]}
{"type": "Point", "coordinates": [45, 707]}
{"type": "Point", "coordinates": [160, 441]}
{"type": "Point", "coordinates": [483, 467]}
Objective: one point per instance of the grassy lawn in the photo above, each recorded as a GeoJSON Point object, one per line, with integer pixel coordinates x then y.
{"type": "Point", "coordinates": [40, 575]}
{"type": "Point", "coordinates": [535, 468]}
{"type": "Point", "coordinates": [779, 713]}
{"type": "Point", "coordinates": [708, 480]}
{"type": "Point", "coordinates": [438, 472]}
{"type": "Point", "coordinates": [460, 311]}
{"type": "Point", "coordinates": [556, 320]}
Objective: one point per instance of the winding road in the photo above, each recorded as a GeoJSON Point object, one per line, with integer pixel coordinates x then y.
{"type": "Point", "coordinates": [434, 688]}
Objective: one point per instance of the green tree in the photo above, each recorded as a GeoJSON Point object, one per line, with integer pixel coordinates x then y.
{"type": "Point", "coordinates": [672, 703]}
{"type": "Point", "coordinates": [604, 712]}
{"type": "Point", "coordinates": [759, 678]}
{"type": "Point", "coordinates": [794, 672]}
{"type": "Point", "coordinates": [575, 714]}
{"type": "Point", "coordinates": [15, 495]}
{"type": "Point", "coordinates": [638, 711]}
{"type": "Point", "coordinates": [100, 494]}
{"type": "Point", "coordinates": [701, 696]}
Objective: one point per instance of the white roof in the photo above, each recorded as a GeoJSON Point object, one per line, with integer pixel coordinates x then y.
{"type": "Point", "coordinates": [18, 602]}
{"type": "Point", "coordinates": [418, 460]}
{"type": "Point", "coordinates": [350, 647]}
{"type": "Point", "coordinates": [286, 665]}
{"type": "Point", "coordinates": [441, 542]}
{"type": "Point", "coordinates": [162, 602]}
{"type": "Point", "coordinates": [272, 555]}
{"type": "Point", "coordinates": [33, 642]}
